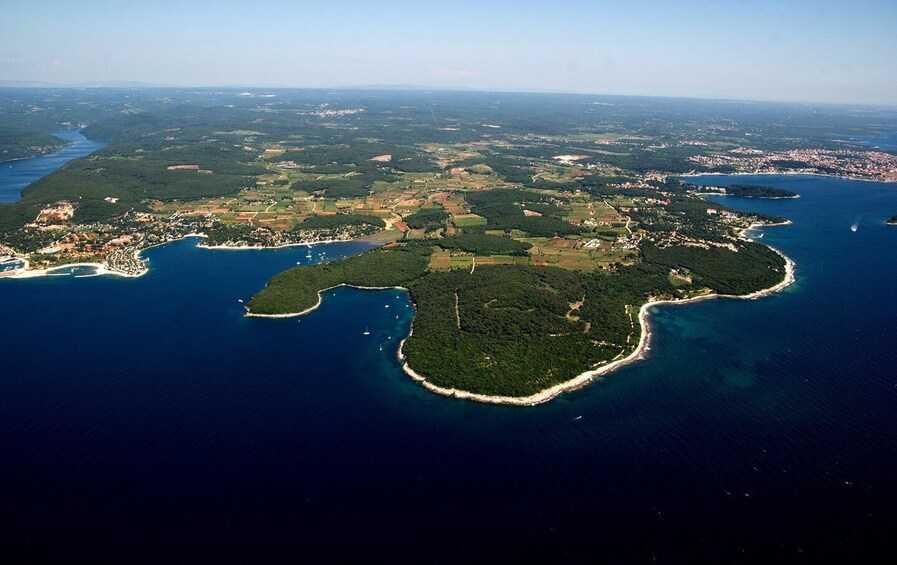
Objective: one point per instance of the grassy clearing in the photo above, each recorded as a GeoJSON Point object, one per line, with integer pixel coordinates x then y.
{"type": "Point", "coordinates": [467, 220]}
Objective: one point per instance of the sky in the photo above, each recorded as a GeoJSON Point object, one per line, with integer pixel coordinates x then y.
{"type": "Point", "coordinates": [788, 50]}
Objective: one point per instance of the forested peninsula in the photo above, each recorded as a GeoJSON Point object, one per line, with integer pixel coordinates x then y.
{"type": "Point", "coordinates": [758, 191]}
{"type": "Point", "coordinates": [511, 331]}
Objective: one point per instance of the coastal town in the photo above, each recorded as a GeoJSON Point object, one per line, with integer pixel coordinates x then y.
{"type": "Point", "coordinates": [865, 165]}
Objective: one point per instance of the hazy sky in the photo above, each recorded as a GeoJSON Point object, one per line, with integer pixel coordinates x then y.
{"type": "Point", "coordinates": [781, 50]}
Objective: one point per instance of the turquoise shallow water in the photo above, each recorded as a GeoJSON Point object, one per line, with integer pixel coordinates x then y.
{"type": "Point", "coordinates": [148, 420]}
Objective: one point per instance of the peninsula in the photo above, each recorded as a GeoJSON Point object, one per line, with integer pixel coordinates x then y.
{"type": "Point", "coordinates": [532, 233]}
{"type": "Point", "coordinates": [496, 322]}
{"type": "Point", "coordinates": [757, 191]}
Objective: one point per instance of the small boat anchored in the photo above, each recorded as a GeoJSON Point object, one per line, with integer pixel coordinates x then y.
{"type": "Point", "coordinates": [366, 331]}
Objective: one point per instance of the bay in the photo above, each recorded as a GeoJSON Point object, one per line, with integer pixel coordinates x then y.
{"type": "Point", "coordinates": [147, 420]}
{"type": "Point", "coordinates": [16, 175]}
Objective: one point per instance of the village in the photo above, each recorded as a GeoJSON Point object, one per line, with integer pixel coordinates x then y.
{"type": "Point", "coordinates": [867, 165]}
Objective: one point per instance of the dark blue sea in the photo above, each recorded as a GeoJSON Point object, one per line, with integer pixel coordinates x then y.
{"type": "Point", "coordinates": [147, 420]}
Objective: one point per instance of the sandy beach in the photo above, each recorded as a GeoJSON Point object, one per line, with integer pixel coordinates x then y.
{"type": "Point", "coordinates": [99, 269]}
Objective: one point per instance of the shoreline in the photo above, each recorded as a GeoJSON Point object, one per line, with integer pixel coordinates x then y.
{"type": "Point", "coordinates": [586, 377]}
{"type": "Point", "coordinates": [789, 173]}
{"type": "Point", "coordinates": [317, 305]}
{"type": "Point", "coordinates": [44, 154]}
{"type": "Point", "coordinates": [583, 378]}
{"type": "Point", "coordinates": [263, 247]}
{"type": "Point", "coordinates": [637, 354]}
{"type": "Point", "coordinates": [746, 197]}
{"type": "Point", "coordinates": [103, 268]}
{"type": "Point", "coordinates": [99, 269]}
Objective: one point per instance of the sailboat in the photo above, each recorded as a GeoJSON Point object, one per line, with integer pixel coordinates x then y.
{"type": "Point", "coordinates": [366, 331]}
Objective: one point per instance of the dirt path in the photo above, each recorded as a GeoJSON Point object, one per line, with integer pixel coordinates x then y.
{"type": "Point", "coordinates": [628, 219]}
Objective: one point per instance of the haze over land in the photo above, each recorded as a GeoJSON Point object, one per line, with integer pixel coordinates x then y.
{"type": "Point", "coordinates": [797, 51]}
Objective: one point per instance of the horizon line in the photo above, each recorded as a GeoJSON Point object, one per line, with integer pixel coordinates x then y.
{"type": "Point", "coordinates": [137, 85]}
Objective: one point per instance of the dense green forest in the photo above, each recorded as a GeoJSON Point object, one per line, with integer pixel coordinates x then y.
{"type": "Point", "coordinates": [482, 244]}
{"type": "Point", "coordinates": [339, 220]}
{"type": "Point", "coordinates": [515, 330]}
{"type": "Point", "coordinates": [515, 335]}
{"type": "Point", "coordinates": [132, 178]}
{"type": "Point", "coordinates": [357, 157]}
{"type": "Point", "coordinates": [753, 267]}
{"type": "Point", "coordinates": [427, 218]}
{"type": "Point", "coordinates": [221, 233]}
{"type": "Point", "coordinates": [338, 187]}
{"type": "Point", "coordinates": [509, 169]}
{"type": "Point", "coordinates": [504, 210]}
{"type": "Point", "coordinates": [758, 191]}
{"type": "Point", "coordinates": [297, 289]}
{"type": "Point", "coordinates": [24, 143]}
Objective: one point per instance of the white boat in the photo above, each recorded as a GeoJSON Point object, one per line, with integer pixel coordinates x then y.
{"type": "Point", "coordinates": [366, 331]}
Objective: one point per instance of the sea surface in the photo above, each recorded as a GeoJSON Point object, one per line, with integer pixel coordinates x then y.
{"type": "Point", "coordinates": [148, 420]}
{"type": "Point", "coordinates": [16, 175]}
{"type": "Point", "coordinates": [885, 141]}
